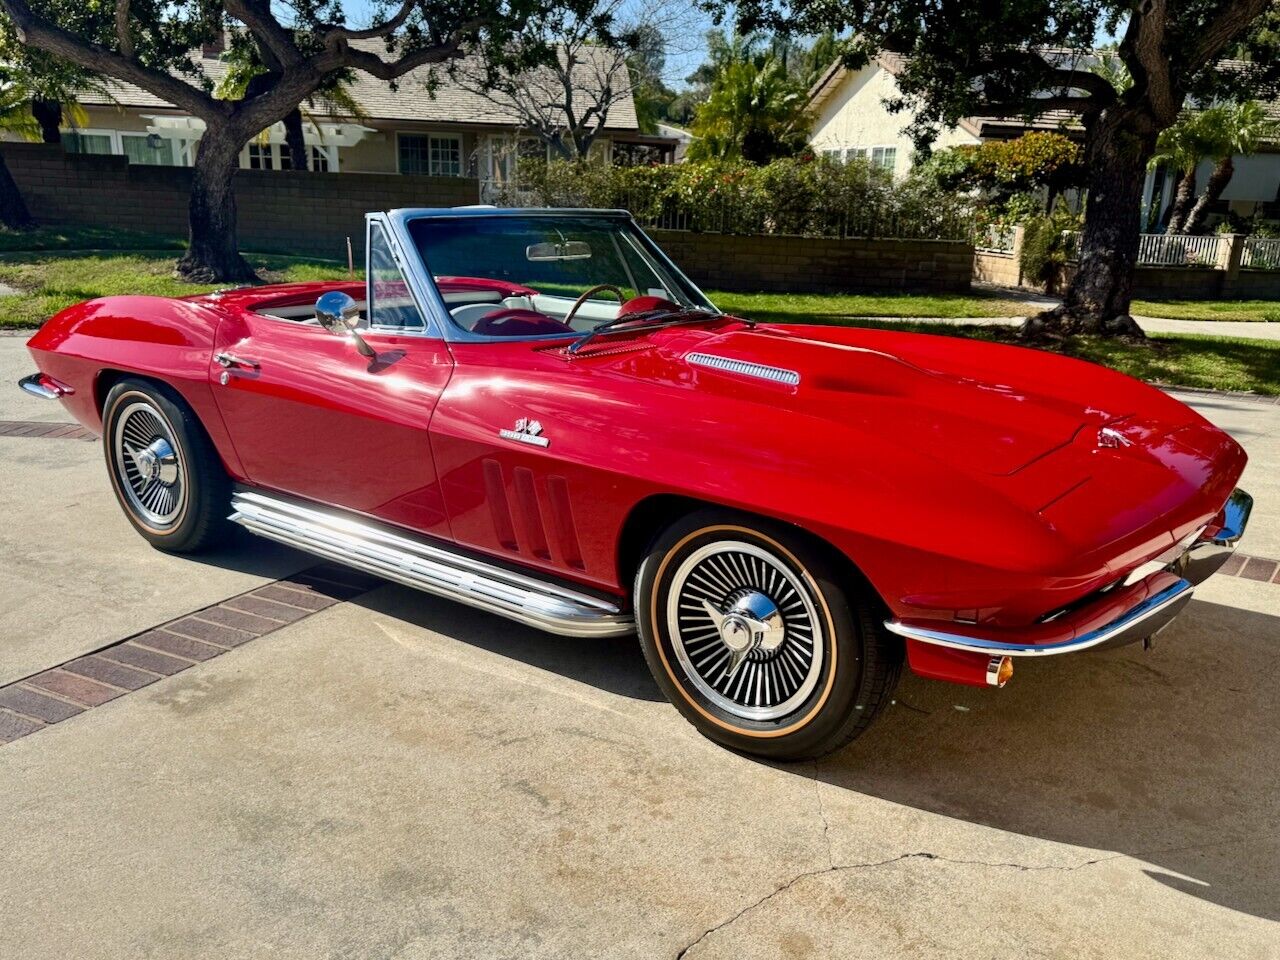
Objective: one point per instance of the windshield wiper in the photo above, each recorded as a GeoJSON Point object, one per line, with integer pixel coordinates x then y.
{"type": "Point", "coordinates": [679, 315]}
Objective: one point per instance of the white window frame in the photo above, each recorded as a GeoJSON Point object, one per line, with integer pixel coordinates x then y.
{"type": "Point", "coordinates": [114, 135]}
{"type": "Point", "coordinates": [884, 148]}
{"type": "Point", "coordinates": [430, 135]}
{"type": "Point", "coordinates": [280, 150]}
{"type": "Point", "coordinates": [184, 148]}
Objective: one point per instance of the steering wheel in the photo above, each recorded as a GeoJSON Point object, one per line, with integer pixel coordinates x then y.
{"type": "Point", "coordinates": [586, 295]}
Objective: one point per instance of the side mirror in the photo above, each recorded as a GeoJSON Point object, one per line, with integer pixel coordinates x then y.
{"type": "Point", "coordinates": [338, 313]}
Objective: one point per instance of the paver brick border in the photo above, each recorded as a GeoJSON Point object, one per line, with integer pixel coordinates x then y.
{"type": "Point", "coordinates": [67, 690]}
{"type": "Point", "coordinates": [45, 430]}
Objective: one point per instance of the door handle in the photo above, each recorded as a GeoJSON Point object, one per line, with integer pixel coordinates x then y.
{"type": "Point", "coordinates": [230, 360]}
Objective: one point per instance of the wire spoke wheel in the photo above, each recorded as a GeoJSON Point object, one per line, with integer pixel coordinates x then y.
{"type": "Point", "coordinates": [745, 630]}
{"type": "Point", "coordinates": [147, 463]}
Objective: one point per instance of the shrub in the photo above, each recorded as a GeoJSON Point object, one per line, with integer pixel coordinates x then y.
{"type": "Point", "coordinates": [1045, 248]}
{"type": "Point", "coordinates": [803, 195]}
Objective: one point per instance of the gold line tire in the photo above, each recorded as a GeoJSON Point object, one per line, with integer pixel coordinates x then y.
{"type": "Point", "coordinates": [761, 637]}
{"type": "Point", "coordinates": [178, 502]}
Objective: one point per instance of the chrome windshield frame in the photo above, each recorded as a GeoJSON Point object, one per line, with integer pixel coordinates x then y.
{"type": "Point", "coordinates": [424, 287]}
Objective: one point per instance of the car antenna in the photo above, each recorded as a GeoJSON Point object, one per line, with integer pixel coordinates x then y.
{"type": "Point", "coordinates": [351, 262]}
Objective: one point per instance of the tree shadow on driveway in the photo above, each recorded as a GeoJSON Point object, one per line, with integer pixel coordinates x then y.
{"type": "Point", "coordinates": [1168, 756]}
{"type": "Point", "coordinates": [612, 664]}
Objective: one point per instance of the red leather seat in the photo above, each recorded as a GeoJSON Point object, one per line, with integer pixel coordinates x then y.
{"type": "Point", "coordinates": [517, 322]}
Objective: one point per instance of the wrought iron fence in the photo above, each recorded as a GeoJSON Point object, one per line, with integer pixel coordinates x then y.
{"type": "Point", "coordinates": [1260, 253]}
{"type": "Point", "coordinates": [1167, 249]}
{"type": "Point", "coordinates": [995, 238]}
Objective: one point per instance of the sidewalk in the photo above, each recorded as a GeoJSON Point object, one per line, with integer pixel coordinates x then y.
{"type": "Point", "coordinates": [1037, 302]}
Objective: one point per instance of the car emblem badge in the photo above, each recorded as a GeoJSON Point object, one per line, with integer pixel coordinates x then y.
{"type": "Point", "coordinates": [526, 431]}
{"type": "Point", "coordinates": [1110, 439]}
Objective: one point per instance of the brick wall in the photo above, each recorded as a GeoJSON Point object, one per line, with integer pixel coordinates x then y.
{"type": "Point", "coordinates": [305, 213]}
{"type": "Point", "coordinates": [818, 265]}
{"type": "Point", "coordinates": [313, 214]}
{"type": "Point", "coordinates": [998, 268]}
{"type": "Point", "coordinates": [1198, 283]}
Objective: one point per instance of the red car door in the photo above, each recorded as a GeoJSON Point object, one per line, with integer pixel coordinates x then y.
{"type": "Point", "coordinates": [310, 416]}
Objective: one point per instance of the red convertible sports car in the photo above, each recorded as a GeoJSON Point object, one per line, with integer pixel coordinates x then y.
{"type": "Point", "coordinates": [536, 413]}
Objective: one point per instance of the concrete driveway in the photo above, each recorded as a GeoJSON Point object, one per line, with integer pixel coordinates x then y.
{"type": "Point", "coordinates": [398, 776]}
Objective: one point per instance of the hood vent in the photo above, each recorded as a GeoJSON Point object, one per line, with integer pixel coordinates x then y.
{"type": "Point", "coordinates": [758, 370]}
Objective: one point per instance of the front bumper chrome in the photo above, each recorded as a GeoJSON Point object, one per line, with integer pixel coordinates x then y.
{"type": "Point", "coordinates": [1126, 614]}
{"type": "Point", "coordinates": [1219, 540]}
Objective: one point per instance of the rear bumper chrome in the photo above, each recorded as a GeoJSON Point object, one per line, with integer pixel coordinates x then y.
{"type": "Point", "coordinates": [1126, 614]}
{"type": "Point", "coordinates": [44, 386]}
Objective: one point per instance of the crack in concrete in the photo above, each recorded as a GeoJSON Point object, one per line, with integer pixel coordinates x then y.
{"type": "Point", "coordinates": [822, 812]}
{"type": "Point", "coordinates": [840, 868]}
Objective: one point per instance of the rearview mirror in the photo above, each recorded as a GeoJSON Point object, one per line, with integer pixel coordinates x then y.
{"type": "Point", "coordinates": [338, 313]}
{"type": "Point", "coordinates": [566, 250]}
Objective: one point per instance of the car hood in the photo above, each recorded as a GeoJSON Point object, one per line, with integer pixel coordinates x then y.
{"type": "Point", "coordinates": [993, 410]}
{"type": "Point", "coordinates": [951, 421]}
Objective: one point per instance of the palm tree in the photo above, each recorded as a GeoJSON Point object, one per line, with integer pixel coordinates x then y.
{"type": "Point", "coordinates": [37, 93]}
{"type": "Point", "coordinates": [16, 119]}
{"type": "Point", "coordinates": [755, 111]}
{"type": "Point", "coordinates": [1181, 147]}
{"type": "Point", "coordinates": [1231, 130]}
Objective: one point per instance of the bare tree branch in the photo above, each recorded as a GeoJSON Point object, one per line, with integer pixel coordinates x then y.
{"type": "Point", "coordinates": [1223, 29]}
{"type": "Point", "coordinates": [335, 33]}
{"type": "Point", "coordinates": [257, 16]}
{"type": "Point", "coordinates": [123, 35]}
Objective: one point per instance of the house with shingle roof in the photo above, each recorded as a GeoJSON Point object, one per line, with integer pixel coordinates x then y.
{"type": "Point", "coordinates": [429, 125]}
{"type": "Point", "coordinates": [851, 120]}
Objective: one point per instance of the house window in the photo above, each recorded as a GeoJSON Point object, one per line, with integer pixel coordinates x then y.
{"type": "Point", "coordinates": [320, 159]}
{"type": "Point", "coordinates": [77, 142]}
{"type": "Point", "coordinates": [884, 158]}
{"type": "Point", "coordinates": [140, 148]}
{"type": "Point", "coordinates": [438, 155]}
{"type": "Point", "coordinates": [262, 156]}
{"type": "Point", "coordinates": [855, 153]}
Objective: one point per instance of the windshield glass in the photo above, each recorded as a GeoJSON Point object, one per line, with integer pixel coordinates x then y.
{"type": "Point", "coordinates": [522, 276]}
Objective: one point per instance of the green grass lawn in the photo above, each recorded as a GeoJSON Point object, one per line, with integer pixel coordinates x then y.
{"type": "Point", "coordinates": [54, 267]}
{"type": "Point", "coordinates": [1188, 360]}
{"type": "Point", "coordinates": [787, 307]}
{"type": "Point", "coordinates": [1256, 310]}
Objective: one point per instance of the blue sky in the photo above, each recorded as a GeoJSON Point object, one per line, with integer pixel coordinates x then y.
{"type": "Point", "coordinates": [687, 46]}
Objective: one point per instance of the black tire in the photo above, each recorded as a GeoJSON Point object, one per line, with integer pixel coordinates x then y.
{"type": "Point", "coordinates": [187, 515]}
{"type": "Point", "coordinates": [835, 698]}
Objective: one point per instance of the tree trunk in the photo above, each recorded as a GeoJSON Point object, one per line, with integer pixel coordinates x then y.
{"type": "Point", "coordinates": [48, 113]}
{"type": "Point", "coordinates": [294, 140]}
{"type": "Point", "coordinates": [1119, 143]}
{"type": "Point", "coordinates": [1213, 187]}
{"type": "Point", "coordinates": [1182, 197]}
{"type": "Point", "coordinates": [212, 256]}
{"type": "Point", "coordinates": [13, 209]}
